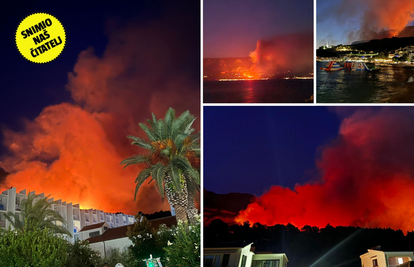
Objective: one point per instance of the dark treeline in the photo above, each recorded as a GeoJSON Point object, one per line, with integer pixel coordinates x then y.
{"type": "Point", "coordinates": [311, 246]}
{"type": "Point", "coordinates": [156, 215]}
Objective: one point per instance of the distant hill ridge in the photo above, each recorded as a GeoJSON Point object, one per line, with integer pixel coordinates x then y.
{"type": "Point", "coordinates": [225, 206]}
{"type": "Point", "coordinates": [407, 32]}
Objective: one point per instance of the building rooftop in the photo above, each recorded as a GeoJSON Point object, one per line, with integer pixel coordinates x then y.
{"type": "Point", "coordinates": [230, 245]}
{"type": "Point", "coordinates": [93, 226]}
{"type": "Point", "coordinates": [120, 232]}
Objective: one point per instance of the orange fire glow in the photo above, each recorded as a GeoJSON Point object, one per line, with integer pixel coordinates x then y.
{"type": "Point", "coordinates": [382, 18]}
{"type": "Point", "coordinates": [73, 150]}
{"type": "Point", "coordinates": [367, 179]}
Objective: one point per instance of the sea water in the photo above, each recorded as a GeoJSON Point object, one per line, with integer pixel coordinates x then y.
{"type": "Point", "coordinates": [268, 91]}
{"type": "Point", "coordinates": [387, 85]}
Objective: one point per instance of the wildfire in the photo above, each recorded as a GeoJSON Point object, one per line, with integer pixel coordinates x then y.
{"type": "Point", "coordinates": [73, 150]}
{"type": "Point", "coordinates": [367, 179]}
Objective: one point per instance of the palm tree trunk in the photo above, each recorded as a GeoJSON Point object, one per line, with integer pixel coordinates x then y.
{"type": "Point", "coordinates": [192, 210]}
{"type": "Point", "coordinates": [179, 202]}
{"type": "Point", "coordinates": [180, 213]}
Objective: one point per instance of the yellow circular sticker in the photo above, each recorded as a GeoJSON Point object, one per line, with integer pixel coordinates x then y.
{"type": "Point", "coordinates": [40, 38]}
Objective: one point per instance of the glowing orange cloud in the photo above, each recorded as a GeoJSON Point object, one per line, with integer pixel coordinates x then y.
{"type": "Point", "coordinates": [367, 178]}
{"type": "Point", "coordinates": [382, 18]}
{"type": "Point", "coordinates": [73, 150]}
{"type": "Point", "coordinates": [284, 55]}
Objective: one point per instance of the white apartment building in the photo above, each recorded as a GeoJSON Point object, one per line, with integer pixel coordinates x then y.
{"type": "Point", "coordinates": [378, 258]}
{"type": "Point", "coordinates": [242, 255]}
{"type": "Point", "coordinates": [75, 217]}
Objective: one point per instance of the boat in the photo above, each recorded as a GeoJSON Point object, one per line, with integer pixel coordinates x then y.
{"type": "Point", "coordinates": [332, 66]}
{"type": "Point", "coordinates": [358, 66]}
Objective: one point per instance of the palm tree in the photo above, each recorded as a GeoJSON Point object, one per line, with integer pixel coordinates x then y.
{"type": "Point", "coordinates": [37, 212]}
{"type": "Point", "coordinates": [173, 160]}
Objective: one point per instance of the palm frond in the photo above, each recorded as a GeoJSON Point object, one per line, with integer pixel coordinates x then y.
{"type": "Point", "coordinates": [139, 142]}
{"type": "Point", "coordinates": [159, 129]}
{"type": "Point", "coordinates": [158, 174]}
{"type": "Point", "coordinates": [195, 137]}
{"type": "Point", "coordinates": [134, 160]}
{"type": "Point", "coordinates": [175, 178]}
{"type": "Point", "coordinates": [169, 118]}
{"type": "Point", "coordinates": [178, 123]}
{"type": "Point", "coordinates": [188, 129]}
{"type": "Point", "coordinates": [150, 133]}
{"type": "Point", "coordinates": [142, 176]}
{"type": "Point", "coordinates": [184, 165]}
{"type": "Point", "coordinates": [179, 141]}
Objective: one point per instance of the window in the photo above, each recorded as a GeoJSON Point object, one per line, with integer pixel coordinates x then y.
{"type": "Point", "coordinates": [208, 260]}
{"type": "Point", "coordinates": [400, 261]}
{"type": "Point", "coordinates": [2, 221]}
{"type": "Point", "coordinates": [266, 263]}
{"type": "Point", "coordinates": [215, 260]}
{"type": "Point", "coordinates": [96, 233]}
{"type": "Point", "coordinates": [244, 259]}
{"type": "Point", "coordinates": [374, 262]}
{"type": "Point", "coordinates": [225, 262]}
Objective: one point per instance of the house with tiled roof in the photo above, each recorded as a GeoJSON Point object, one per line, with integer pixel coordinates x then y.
{"type": "Point", "coordinates": [116, 238]}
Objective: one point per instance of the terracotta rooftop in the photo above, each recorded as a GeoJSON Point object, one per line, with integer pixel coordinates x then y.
{"type": "Point", "coordinates": [120, 232]}
{"type": "Point", "coordinates": [93, 226]}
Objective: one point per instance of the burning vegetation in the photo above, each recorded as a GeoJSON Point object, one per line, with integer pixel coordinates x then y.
{"type": "Point", "coordinates": [367, 178]}
{"type": "Point", "coordinates": [277, 57]}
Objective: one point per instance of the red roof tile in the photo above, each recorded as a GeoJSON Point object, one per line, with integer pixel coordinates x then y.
{"type": "Point", "coordinates": [120, 232]}
{"type": "Point", "coordinates": [92, 226]}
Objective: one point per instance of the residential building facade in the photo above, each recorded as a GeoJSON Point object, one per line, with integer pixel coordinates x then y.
{"type": "Point", "coordinates": [242, 255]}
{"type": "Point", "coordinates": [76, 218]}
{"type": "Point", "coordinates": [378, 258]}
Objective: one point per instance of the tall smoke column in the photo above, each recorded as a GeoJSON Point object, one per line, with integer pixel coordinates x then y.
{"type": "Point", "coordinates": [73, 150]}
{"type": "Point", "coordinates": [380, 19]}
{"type": "Point", "coordinates": [386, 15]}
{"type": "Point", "coordinates": [367, 178]}
{"type": "Point", "coordinates": [284, 53]}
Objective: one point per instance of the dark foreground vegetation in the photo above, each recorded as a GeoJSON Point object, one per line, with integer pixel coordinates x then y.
{"type": "Point", "coordinates": [329, 246]}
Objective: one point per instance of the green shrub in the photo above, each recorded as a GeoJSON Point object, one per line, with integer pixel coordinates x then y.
{"type": "Point", "coordinates": [125, 257]}
{"type": "Point", "coordinates": [37, 247]}
{"type": "Point", "coordinates": [184, 248]}
{"type": "Point", "coordinates": [81, 254]}
{"type": "Point", "coordinates": [146, 240]}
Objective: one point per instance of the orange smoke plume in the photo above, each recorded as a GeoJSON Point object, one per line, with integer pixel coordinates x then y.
{"type": "Point", "coordinates": [382, 18]}
{"type": "Point", "coordinates": [284, 55]}
{"type": "Point", "coordinates": [73, 150]}
{"type": "Point", "coordinates": [367, 178]}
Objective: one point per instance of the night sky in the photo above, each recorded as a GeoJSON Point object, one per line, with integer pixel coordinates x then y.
{"type": "Point", "coordinates": [63, 124]}
{"type": "Point", "coordinates": [232, 28]}
{"type": "Point", "coordinates": [248, 149]}
{"type": "Point", "coordinates": [27, 87]}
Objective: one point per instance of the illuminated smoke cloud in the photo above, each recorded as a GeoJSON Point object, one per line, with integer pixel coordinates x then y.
{"type": "Point", "coordinates": [281, 54]}
{"type": "Point", "coordinates": [380, 18]}
{"type": "Point", "coordinates": [367, 178]}
{"type": "Point", "coordinates": [73, 150]}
